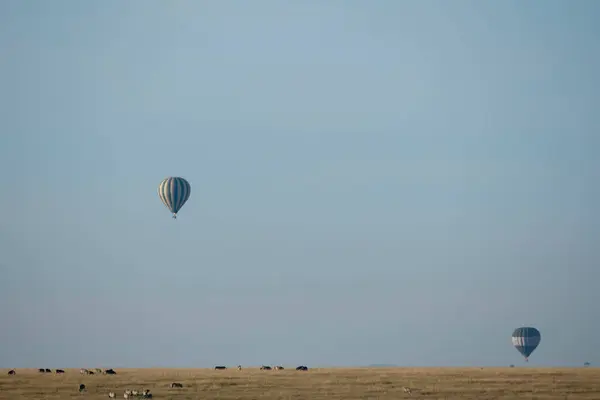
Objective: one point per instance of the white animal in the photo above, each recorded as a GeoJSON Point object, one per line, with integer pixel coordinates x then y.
{"type": "Point", "coordinates": [134, 392]}
{"type": "Point", "coordinates": [112, 395]}
{"type": "Point", "coordinates": [407, 390]}
{"type": "Point", "coordinates": [125, 395]}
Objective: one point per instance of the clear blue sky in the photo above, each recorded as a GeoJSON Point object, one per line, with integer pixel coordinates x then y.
{"type": "Point", "coordinates": [396, 182]}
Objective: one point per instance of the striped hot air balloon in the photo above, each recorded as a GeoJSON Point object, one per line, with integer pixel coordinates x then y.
{"type": "Point", "coordinates": [174, 192]}
{"type": "Point", "coordinates": [525, 340]}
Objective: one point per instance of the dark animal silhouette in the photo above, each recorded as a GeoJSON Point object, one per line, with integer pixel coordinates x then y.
{"type": "Point", "coordinates": [220, 367]}
{"type": "Point", "coordinates": [82, 387]}
{"type": "Point", "coordinates": [302, 368]}
{"type": "Point", "coordinates": [48, 370]}
{"type": "Point", "coordinates": [265, 368]}
{"type": "Point", "coordinates": [60, 371]}
{"type": "Point", "coordinates": [176, 385]}
{"type": "Point", "coordinates": [42, 370]}
{"type": "Point", "coordinates": [12, 372]}
{"type": "Point", "coordinates": [110, 371]}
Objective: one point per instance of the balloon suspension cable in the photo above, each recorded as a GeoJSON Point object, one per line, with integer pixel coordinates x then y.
{"type": "Point", "coordinates": [174, 216]}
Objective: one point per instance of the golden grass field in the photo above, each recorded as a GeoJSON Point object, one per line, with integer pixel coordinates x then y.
{"type": "Point", "coordinates": [333, 383]}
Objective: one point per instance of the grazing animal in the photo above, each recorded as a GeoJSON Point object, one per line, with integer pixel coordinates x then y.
{"type": "Point", "coordinates": [220, 367]}
{"type": "Point", "coordinates": [59, 371]}
{"type": "Point", "coordinates": [48, 370]}
{"type": "Point", "coordinates": [176, 385]}
{"type": "Point", "coordinates": [98, 370]}
{"type": "Point", "coordinates": [12, 372]}
{"type": "Point", "coordinates": [81, 371]}
{"type": "Point", "coordinates": [42, 370]}
{"type": "Point", "coordinates": [82, 388]}
{"type": "Point", "coordinates": [126, 395]}
{"type": "Point", "coordinates": [112, 395]}
{"type": "Point", "coordinates": [302, 368]}
{"type": "Point", "coordinates": [265, 368]}
{"type": "Point", "coordinates": [147, 394]}
{"type": "Point", "coordinates": [110, 371]}
{"type": "Point", "coordinates": [406, 390]}
{"type": "Point", "coordinates": [278, 368]}
{"type": "Point", "coordinates": [239, 367]}
{"type": "Point", "coordinates": [128, 392]}
{"type": "Point", "coordinates": [134, 393]}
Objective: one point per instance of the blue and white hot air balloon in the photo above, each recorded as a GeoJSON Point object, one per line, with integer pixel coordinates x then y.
{"type": "Point", "coordinates": [174, 192]}
{"type": "Point", "coordinates": [525, 340]}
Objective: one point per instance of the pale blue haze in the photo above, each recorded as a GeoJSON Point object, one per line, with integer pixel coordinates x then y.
{"type": "Point", "coordinates": [399, 182]}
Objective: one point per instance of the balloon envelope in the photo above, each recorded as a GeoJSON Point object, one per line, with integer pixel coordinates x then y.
{"type": "Point", "coordinates": [174, 192]}
{"type": "Point", "coordinates": [526, 339]}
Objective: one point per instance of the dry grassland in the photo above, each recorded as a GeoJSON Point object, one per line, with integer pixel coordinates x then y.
{"type": "Point", "coordinates": [315, 384]}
